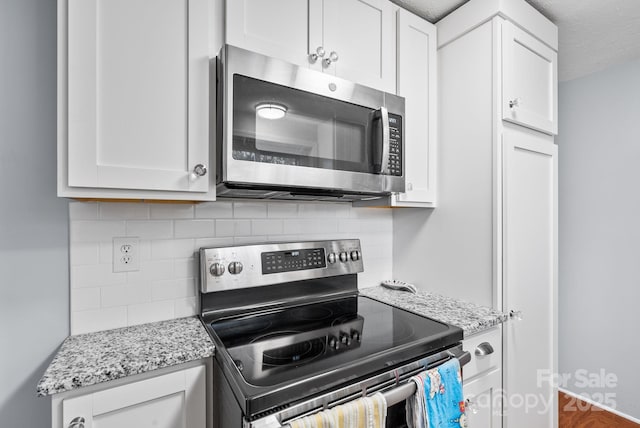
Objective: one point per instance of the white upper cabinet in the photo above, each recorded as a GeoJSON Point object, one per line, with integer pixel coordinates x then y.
{"type": "Point", "coordinates": [354, 38]}
{"type": "Point", "coordinates": [417, 83]}
{"type": "Point", "coordinates": [529, 81]}
{"type": "Point", "coordinates": [276, 28]}
{"type": "Point", "coordinates": [134, 99]}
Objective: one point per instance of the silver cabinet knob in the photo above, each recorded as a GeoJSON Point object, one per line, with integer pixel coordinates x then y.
{"type": "Point", "coordinates": [483, 349]}
{"type": "Point", "coordinates": [470, 404]}
{"type": "Point", "coordinates": [200, 170]}
{"type": "Point", "coordinates": [515, 103]}
{"type": "Point", "coordinates": [319, 53]}
{"type": "Point", "coordinates": [517, 315]}
{"type": "Point", "coordinates": [333, 57]}
{"type": "Point", "coordinates": [216, 269]}
{"type": "Point", "coordinates": [77, 423]}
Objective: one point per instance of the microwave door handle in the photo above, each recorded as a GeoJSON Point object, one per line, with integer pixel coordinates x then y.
{"type": "Point", "coordinates": [384, 161]}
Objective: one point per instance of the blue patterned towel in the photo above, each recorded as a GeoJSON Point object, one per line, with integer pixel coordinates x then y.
{"type": "Point", "coordinates": [443, 393]}
{"type": "Point", "coordinates": [438, 401]}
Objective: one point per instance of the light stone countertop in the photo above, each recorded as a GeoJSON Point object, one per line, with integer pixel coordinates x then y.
{"type": "Point", "coordinates": [92, 358]}
{"type": "Point", "coordinates": [470, 317]}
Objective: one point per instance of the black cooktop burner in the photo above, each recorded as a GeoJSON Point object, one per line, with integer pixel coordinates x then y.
{"type": "Point", "coordinates": [283, 345]}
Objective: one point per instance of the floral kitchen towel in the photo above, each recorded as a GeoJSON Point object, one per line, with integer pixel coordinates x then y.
{"type": "Point", "coordinates": [444, 401]}
{"type": "Point", "coordinates": [368, 412]}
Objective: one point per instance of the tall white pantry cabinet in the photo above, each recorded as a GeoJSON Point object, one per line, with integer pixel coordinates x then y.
{"type": "Point", "coordinates": [493, 238]}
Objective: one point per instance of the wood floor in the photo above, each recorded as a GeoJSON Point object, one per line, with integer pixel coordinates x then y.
{"type": "Point", "coordinates": [575, 413]}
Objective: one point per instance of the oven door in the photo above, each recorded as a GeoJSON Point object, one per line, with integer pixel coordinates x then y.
{"type": "Point", "coordinates": [291, 127]}
{"type": "Point", "coordinates": [394, 384]}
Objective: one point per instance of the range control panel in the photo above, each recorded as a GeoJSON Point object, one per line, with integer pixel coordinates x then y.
{"type": "Point", "coordinates": [246, 266]}
{"type": "Point", "coordinates": [287, 261]}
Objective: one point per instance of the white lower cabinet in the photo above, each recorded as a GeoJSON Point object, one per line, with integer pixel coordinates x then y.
{"type": "Point", "coordinates": [483, 399]}
{"type": "Point", "coordinates": [483, 379]}
{"type": "Point", "coordinates": [173, 400]}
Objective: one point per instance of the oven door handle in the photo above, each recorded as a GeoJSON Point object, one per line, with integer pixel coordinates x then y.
{"type": "Point", "coordinates": [392, 396]}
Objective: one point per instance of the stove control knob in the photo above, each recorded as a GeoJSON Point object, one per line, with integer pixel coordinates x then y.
{"type": "Point", "coordinates": [355, 335]}
{"type": "Point", "coordinates": [331, 258]}
{"type": "Point", "coordinates": [216, 269]}
{"type": "Point", "coordinates": [333, 343]}
{"type": "Point", "coordinates": [235, 268]}
{"type": "Point", "coordinates": [344, 257]}
{"type": "Point", "coordinates": [355, 255]}
{"type": "Point", "coordinates": [345, 339]}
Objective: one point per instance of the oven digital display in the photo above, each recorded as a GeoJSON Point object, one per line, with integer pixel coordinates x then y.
{"type": "Point", "coordinates": [293, 260]}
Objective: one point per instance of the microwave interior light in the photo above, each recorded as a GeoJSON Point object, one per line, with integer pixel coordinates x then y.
{"type": "Point", "coordinates": [271, 110]}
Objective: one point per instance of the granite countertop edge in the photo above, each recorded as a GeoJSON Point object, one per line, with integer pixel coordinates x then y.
{"type": "Point", "coordinates": [93, 358]}
{"type": "Point", "coordinates": [470, 317]}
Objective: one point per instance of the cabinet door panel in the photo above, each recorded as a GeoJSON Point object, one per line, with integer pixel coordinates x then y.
{"type": "Point", "coordinates": [361, 33]}
{"type": "Point", "coordinates": [138, 93]}
{"type": "Point", "coordinates": [530, 276]}
{"type": "Point", "coordinates": [484, 401]}
{"type": "Point", "coordinates": [530, 74]}
{"type": "Point", "coordinates": [277, 28]}
{"type": "Point", "coordinates": [417, 70]}
{"type": "Point", "coordinates": [174, 400]}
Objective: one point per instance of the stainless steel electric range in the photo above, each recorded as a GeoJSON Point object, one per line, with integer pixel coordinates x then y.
{"type": "Point", "coordinates": [293, 336]}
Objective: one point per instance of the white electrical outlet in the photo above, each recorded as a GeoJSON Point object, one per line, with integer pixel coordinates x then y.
{"type": "Point", "coordinates": [125, 254]}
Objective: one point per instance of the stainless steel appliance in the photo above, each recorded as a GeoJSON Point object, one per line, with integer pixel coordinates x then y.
{"type": "Point", "coordinates": [289, 132]}
{"type": "Point", "coordinates": [293, 336]}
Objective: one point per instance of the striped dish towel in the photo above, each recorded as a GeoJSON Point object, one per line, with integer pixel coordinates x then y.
{"type": "Point", "coordinates": [416, 409]}
{"type": "Point", "coordinates": [368, 412]}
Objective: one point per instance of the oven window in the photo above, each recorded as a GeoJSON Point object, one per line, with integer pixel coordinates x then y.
{"type": "Point", "coordinates": [280, 125]}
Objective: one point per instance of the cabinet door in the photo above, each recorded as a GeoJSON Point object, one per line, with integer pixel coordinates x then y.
{"type": "Point", "coordinates": [175, 400]}
{"type": "Point", "coordinates": [484, 403]}
{"type": "Point", "coordinates": [417, 68]}
{"type": "Point", "coordinates": [138, 94]}
{"type": "Point", "coordinates": [361, 33]}
{"type": "Point", "coordinates": [277, 28]}
{"type": "Point", "coordinates": [530, 276]}
{"type": "Point", "coordinates": [529, 81]}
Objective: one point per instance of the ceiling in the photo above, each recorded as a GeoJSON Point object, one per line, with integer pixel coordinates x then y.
{"type": "Point", "coordinates": [593, 34]}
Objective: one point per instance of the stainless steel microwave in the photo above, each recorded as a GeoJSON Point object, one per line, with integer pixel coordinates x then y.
{"type": "Point", "coordinates": [288, 132]}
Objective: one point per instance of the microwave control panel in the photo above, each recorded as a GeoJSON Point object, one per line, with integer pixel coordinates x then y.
{"type": "Point", "coordinates": [395, 144]}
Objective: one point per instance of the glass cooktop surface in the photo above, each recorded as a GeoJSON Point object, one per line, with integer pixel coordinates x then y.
{"type": "Point", "coordinates": [285, 344]}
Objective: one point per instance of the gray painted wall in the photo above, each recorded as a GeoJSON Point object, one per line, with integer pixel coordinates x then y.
{"type": "Point", "coordinates": [34, 284]}
{"type": "Point", "coordinates": [599, 231]}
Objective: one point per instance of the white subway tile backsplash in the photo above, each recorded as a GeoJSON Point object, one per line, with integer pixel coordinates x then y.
{"type": "Point", "coordinates": [125, 295]}
{"type": "Point", "coordinates": [98, 319]}
{"type": "Point", "coordinates": [266, 227]}
{"type": "Point", "coordinates": [214, 210]}
{"type": "Point", "coordinates": [95, 230]}
{"type": "Point", "coordinates": [150, 229]}
{"type": "Point", "coordinates": [225, 228]}
{"type": "Point", "coordinates": [83, 210]}
{"type": "Point", "coordinates": [170, 236]}
{"type": "Point", "coordinates": [83, 299]}
{"type": "Point", "coordinates": [186, 307]}
{"type": "Point", "coordinates": [170, 211]}
{"type": "Point", "coordinates": [84, 253]}
{"type": "Point", "coordinates": [150, 312]}
{"type": "Point", "coordinates": [194, 228]}
{"type": "Point", "coordinates": [282, 210]}
{"type": "Point", "coordinates": [173, 289]}
{"type": "Point", "coordinates": [124, 211]}
{"type": "Point", "coordinates": [172, 248]}
{"type": "Point", "coordinates": [249, 210]}
{"type": "Point", "coordinates": [95, 276]}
